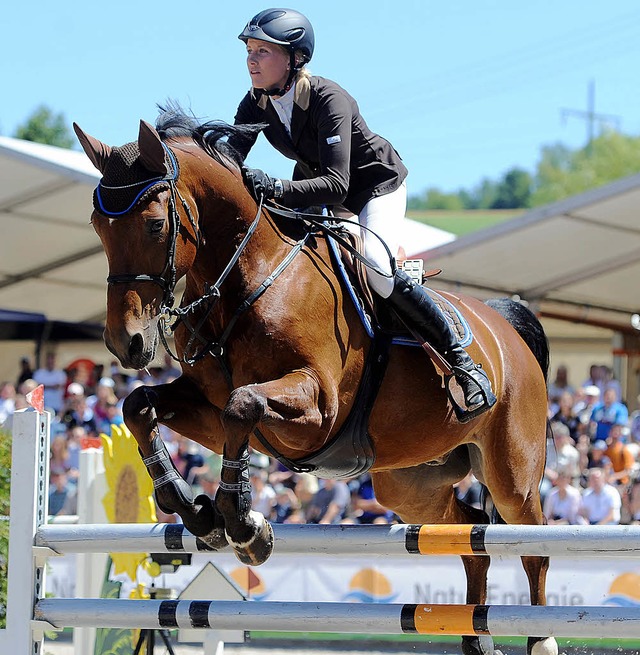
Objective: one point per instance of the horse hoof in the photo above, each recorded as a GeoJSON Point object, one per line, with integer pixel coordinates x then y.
{"type": "Point", "coordinates": [201, 518]}
{"type": "Point", "coordinates": [215, 540]}
{"type": "Point", "coordinates": [256, 550]}
{"type": "Point", "coordinates": [542, 646]}
{"type": "Point", "coordinates": [479, 645]}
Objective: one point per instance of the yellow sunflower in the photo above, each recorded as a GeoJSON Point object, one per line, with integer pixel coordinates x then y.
{"type": "Point", "coordinates": [129, 497]}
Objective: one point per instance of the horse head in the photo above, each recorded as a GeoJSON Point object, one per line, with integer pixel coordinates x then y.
{"type": "Point", "coordinates": [148, 249]}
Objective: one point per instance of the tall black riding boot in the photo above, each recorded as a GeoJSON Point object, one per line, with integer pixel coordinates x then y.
{"type": "Point", "coordinates": [423, 317]}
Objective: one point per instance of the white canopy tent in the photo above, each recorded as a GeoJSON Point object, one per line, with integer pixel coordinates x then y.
{"type": "Point", "coordinates": [578, 259]}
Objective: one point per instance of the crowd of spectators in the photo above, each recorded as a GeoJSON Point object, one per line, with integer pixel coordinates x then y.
{"type": "Point", "coordinates": [591, 475]}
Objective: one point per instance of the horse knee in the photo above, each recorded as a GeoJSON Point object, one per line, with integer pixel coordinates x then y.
{"type": "Point", "coordinates": [244, 410]}
{"type": "Point", "coordinates": [138, 407]}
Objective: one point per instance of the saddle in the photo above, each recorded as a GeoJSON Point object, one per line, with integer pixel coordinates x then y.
{"type": "Point", "coordinates": [375, 313]}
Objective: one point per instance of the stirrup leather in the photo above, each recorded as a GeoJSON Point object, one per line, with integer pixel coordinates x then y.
{"type": "Point", "coordinates": [463, 414]}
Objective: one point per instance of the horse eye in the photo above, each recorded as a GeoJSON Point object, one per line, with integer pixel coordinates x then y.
{"type": "Point", "coordinates": [155, 226]}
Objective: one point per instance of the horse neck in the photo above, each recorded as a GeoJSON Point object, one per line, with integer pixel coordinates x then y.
{"type": "Point", "coordinates": [225, 214]}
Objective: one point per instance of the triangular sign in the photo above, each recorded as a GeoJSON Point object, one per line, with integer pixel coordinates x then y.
{"type": "Point", "coordinates": [36, 398]}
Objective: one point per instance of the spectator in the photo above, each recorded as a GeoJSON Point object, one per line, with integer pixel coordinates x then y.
{"type": "Point", "coordinates": [600, 501]}
{"type": "Point", "coordinates": [305, 489]}
{"type": "Point", "coordinates": [76, 412]}
{"type": "Point", "coordinates": [25, 373]}
{"type": "Point", "coordinates": [263, 496]}
{"type": "Point", "coordinates": [563, 454]}
{"type": "Point", "coordinates": [62, 495]}
{"type": "Point", "coordinates": [7, 401]}
{"type": "Point", "coordinates": [560, 385]}
{"type": "Point", "coordinates": [596, 377]}
{"type": "Point", "coordinates": [286, 505]}
{"type": "Point", "coordinates": [634, 424]}
{"type": "Point", "coordinates": [621, 457]}
{"type": "Point", "coordinates": [606, 413]}
{"type": "Point", "coordinates": [98, 402]}
{"type": "Point", "coordinates": [366, 508]}
{"type": "Point", "coordinates": [586, 399]}
{"type": "Point", "coordinates": [597, 459]}
{"type": "Point", "coordinates": [566, 415]}
{"type": "Point", "coordinates": [54, 380]}
{"type": "Point", "coordinates": [188, 459]}
{"type": "Point", "coordinates": [562, 504]}
{"type": "Point", "coordinates": [330, 503]}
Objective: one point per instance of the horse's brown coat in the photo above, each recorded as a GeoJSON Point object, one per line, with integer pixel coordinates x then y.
{"type": "Point", "coordinates": [296, 358]}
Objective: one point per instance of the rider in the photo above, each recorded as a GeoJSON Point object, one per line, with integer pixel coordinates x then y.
{"type": "Point", "coordinates": [339, 162]}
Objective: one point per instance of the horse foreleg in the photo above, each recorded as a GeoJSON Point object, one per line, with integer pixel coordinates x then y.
{"type": "Point", "coordinates": [180, 405]}
{"type": "Point", "coordinates": [278, 404]}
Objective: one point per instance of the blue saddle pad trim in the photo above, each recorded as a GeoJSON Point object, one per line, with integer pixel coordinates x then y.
{"type": "Point", "coordinates": [399, 340]}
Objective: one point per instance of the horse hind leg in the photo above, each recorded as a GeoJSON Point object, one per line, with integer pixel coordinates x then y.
{"type": "Point", "coordinates": [171, 491]}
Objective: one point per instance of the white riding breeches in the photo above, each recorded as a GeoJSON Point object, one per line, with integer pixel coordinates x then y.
{"type": "Point", "coordinates": [381, 214]}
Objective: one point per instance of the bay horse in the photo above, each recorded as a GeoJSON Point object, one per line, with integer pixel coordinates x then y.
{"type": "Point", "coordinates": [273, 353]}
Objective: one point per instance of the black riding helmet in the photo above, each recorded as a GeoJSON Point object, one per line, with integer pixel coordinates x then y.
{"type": "Point", "coordinates": [287, 28]}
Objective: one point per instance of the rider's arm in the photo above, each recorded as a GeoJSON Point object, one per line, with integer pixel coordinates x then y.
{"type": "Point", "coordinates": [332, 113]}
{"type": "Point", "coordinates": [245, 115]}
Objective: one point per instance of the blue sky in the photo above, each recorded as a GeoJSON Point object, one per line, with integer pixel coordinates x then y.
{"type": "Point", "coordinates": [464, 89]}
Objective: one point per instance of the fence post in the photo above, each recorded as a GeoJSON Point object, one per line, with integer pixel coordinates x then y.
{"type": "Point", "coordinates": [29, 505]}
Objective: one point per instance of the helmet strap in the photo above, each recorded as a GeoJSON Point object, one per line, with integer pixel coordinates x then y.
{"type": "Point", "coordinates": [293, 70]}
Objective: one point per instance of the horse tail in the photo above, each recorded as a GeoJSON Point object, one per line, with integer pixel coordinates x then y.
{"type": "Point", "coordinates": [527, 325]}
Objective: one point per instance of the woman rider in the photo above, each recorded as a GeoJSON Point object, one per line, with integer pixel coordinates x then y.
{"type": "Point", "coordinates": [339, 162]}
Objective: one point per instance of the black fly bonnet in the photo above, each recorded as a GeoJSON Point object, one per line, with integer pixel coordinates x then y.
{"type": "Point", "coordinates": [126, 181]}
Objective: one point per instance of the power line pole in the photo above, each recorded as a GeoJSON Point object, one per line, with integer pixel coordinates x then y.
{"type": "Point", "coordinates": [590, 115]}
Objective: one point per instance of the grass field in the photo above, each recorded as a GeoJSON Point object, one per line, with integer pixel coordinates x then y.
{"type": "Point", "coordinates": [462, 222]}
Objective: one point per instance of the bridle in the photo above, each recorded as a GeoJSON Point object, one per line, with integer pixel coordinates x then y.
{"type": "Point", "coordinates": [171, 317]}
{"type": "Point", "coordinates": [166, 280]}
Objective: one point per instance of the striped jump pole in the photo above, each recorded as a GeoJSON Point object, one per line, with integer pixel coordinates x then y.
{"type": "Point", "coordinates": [394, 619]}
{"type": "Point", "coordinates": [375, 540]}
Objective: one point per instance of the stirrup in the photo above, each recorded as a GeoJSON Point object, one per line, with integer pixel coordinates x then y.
{"type": "Point", "coordinates": [464, 415]}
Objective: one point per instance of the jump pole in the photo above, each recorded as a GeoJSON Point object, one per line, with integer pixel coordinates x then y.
{"type": "Point", "coordinates": [394, 619]}
{"type": "Point", "coordinates": [374, 540]}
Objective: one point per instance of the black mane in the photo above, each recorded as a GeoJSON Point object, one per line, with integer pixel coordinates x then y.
{"type": "Point", "coordinates": [174, 122]}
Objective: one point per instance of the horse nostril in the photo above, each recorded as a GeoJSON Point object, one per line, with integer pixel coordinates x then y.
{"type": "Point", "coordinates": [135, 346]}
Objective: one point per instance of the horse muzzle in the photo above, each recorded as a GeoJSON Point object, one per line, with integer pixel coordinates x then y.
{"type": "Point", "coordinates": [134, 350]}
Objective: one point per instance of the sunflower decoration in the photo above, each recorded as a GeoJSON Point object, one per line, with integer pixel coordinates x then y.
{"type": "Point", "coordinates": [129, 497]}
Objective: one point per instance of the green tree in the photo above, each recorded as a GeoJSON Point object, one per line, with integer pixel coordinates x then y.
{"type": "Point", "coordinates": [514, 191]}
{"type": "Point", "coordinates": [43, 126]}
{"type": "Point", "coordinates": [562, 173]}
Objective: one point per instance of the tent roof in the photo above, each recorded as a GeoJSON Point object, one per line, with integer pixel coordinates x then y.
{"type": "Point", "coordinates": [52, 262]}
{"type": "Point", "coordinates": [578, 259]}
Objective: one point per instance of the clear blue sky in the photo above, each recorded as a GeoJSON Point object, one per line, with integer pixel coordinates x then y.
{"type": "Point", "coordinates": [464, 89]}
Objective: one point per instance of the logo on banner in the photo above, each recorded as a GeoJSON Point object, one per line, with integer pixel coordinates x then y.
{"type": "Point", "coordinates": [624, 591]}
{"type": "Point", "coordinates": [250, 582]}
{"type": "Point", "coordinates": [370, 586]}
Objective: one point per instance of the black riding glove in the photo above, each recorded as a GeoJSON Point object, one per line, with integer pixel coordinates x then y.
{"type": "Point", "coordinates": [260, 185]}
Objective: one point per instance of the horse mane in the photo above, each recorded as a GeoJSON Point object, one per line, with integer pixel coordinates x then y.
{"type": "Point", "coordinates": [173, 123]}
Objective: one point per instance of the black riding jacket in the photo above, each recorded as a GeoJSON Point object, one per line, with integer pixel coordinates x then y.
{"type": "Point", "coordinates": [339, 160]}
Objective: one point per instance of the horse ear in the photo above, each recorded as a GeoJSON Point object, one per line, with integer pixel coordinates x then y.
{"type": "Point", "coordinates": [151, 149]}
{"type": "Point", "coordinates": [97, 151]}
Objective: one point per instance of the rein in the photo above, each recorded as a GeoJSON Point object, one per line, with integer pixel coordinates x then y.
{"type": "Point", "coordinates": [332, 230]}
